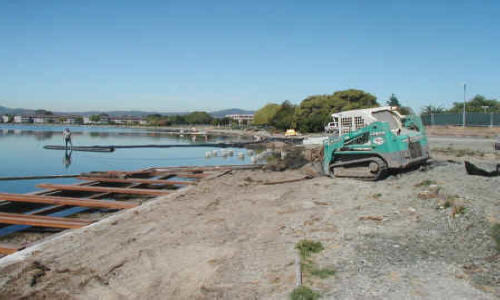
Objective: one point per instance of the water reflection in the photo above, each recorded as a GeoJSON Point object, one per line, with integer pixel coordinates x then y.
{"type": "Point", "coordinates": [67, 158]}
{"type": "Point", "coordinates": [23, 153]}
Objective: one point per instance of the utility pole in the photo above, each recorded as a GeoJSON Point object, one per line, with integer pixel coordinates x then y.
{"type": "Point", "coordinates": [464, 103]}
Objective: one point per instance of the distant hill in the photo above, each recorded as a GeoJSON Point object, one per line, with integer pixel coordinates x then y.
{"type": "Point", "coordinates": [6, 110]}
{"type": "Point", "coordinates": [117, 113]}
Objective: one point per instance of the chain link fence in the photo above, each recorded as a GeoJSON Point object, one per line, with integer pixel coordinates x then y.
{"type": "Point", "coordinates": [488, 119]}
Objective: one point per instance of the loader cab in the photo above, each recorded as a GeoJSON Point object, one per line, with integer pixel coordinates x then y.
{"type": "Point", "coordinates": [352, 120]}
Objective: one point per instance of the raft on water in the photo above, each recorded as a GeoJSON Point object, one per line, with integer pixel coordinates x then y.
{"type": "Point", "coordinates": [81, 148]}
{"type": "Point", "coordinates": [111, 148]}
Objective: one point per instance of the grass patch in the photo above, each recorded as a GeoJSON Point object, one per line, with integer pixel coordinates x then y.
{"type": "Point", "coordinates": [377, 195]}
{"type": "Point", "coordinates": [426, 182]}
{"type": "Point", "coordinates": [307, 265]}
{"type": "Point", "coordinates": [307, 247]}
{"type": "Point", "coordinates": [304, 293]}
{"type": "Point", "coordinates": [495, 234]}
{"type": "Point", "coordinates": [323, 273]}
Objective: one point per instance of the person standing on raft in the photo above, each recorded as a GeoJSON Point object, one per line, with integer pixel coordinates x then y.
{"type": "Point", "coordinates": [67, 138]}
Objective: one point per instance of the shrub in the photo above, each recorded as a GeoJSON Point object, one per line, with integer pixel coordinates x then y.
{"type": "Point", "coordinates": [306, 247]}
{"type": "Point", "coordinates": [323, 273]}
{"type": "Point", "coordinates": [304, 293]}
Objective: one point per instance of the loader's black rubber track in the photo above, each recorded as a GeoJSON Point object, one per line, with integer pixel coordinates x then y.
{"type": "Point", "coordinates": [359, 168]}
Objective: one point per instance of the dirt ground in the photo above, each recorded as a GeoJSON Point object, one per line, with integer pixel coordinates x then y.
{"type": "Point", "coordinates": [421, 234]}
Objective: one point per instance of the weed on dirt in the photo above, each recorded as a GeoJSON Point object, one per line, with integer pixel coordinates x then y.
{"type": "Point", "coordinates": [307, 247]}
{"type": "Point", "coordinates": [304, 293]}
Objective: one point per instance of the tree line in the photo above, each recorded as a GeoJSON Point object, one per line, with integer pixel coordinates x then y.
{"type": "Point", "coordinates": [314, 112]}
{"type": "Point", "coordinates": [193, 118]}
{"type": "Point", "coordinates": [477, 104]}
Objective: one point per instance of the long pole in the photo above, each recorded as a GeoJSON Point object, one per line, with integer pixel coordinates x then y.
{"type": "Point", "coordinates": [464, 104]}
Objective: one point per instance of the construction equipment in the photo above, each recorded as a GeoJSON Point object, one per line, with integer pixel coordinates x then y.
{"type": "Point", "coordinates": [371, 141]}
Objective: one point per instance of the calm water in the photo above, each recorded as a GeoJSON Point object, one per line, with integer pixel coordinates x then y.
{"type": "Point", "coordinates": [22, 153]}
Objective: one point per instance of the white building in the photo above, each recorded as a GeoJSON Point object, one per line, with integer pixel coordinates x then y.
{"type": "Point", "coordinates": [40, 119]}
{"type": "Point", "coordinates": [5, 119]}
{"type": "Point", "coordinates": [241, 118]}
{"type": "Point", "coordinates": [23, 119]}
{"type": "Point", "coordinates": [103, 119]}
{"type": "Point", "coordinates": [127, 120]}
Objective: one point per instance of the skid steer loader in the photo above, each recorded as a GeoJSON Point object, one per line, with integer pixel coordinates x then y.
{"type": "Point", "coordinates": [368, 142]}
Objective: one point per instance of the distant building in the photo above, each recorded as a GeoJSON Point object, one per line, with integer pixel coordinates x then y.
{"type": "Point", "coordinates": [5, 119]}
{"type": "Point", "coordinates": [45, 119]}
{"type": "Point", "coordinates": [103, 119]}
{"type": "Point", "coordinates": [71, 120]}
{"type": "Point", "coordinates": [127, 120]}
{"type": "Point", "coordinates": [23, 119]}
{"type": "Point", "coordinates": [241, 118]}
{"type": "Point", "coordinates": [39, 119]}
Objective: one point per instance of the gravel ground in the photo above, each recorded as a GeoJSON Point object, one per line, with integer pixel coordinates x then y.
{"type": "Point", "coordinates": [234, 237]}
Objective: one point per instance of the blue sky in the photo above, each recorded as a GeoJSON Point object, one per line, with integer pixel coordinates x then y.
{"type": "Point", "coordinates": [208, 55]}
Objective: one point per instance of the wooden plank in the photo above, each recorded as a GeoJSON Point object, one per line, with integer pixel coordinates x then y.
{"type": "Point", "coordinates": [42, 221]}
{"type": "Point", "coordinates": [85, 222]}
{"type": "Point", "coordinates": [85, 202]}
{"type": "Point", "coordinates": [190, 169]}
{"type": "Point", "coordinates": [115, 190]}
{"type": "Point", "coordinates": [137, 180]}
{"type": "Point", "coordinates": [39, 177]}
{"type": "Point", "coordinates": [7, 249]}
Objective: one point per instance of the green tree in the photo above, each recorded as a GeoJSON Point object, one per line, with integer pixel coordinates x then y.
{"type": "Point", "coordinates": [477, 104]}
{"type": "Point", "coordinates": [95, 118]}
{"type": "Point", "coordinates": [393, 101]}
{"type": "Point", "coordinates": [198, 117]}
{"type": "Point", "coordinates": [155, 119]}
{"type": "Point", "coordinates": [284, 117]}
{"type": "Point", "coordinates": [43, 112]}
{"type": "Point", "coordinates": [315, 111]}
{"type": "Point", "coordinates": [264, 115]}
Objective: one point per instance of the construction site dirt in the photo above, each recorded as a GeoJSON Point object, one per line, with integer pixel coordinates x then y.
{"type": "Point", "coordinates": [424, 233]}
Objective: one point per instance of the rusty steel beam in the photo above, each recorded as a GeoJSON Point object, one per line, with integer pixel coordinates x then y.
{"type": "Point", "coordinates": [42, 221]}
{"type": "Point", "coordinates": [136, 180]}
{"type": "Point", "coordinates": [6, 249]}
{"type": "Point", "coordinates": [191, 169]}
{"type": "Point", "coordinates": [85, 202]}
{"type": "Point", "coordinates": [3, 214]}
{"type": "Point", "coordinates": [182, 175]}
{"type": "Point", "coordinates": [114, 190]}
